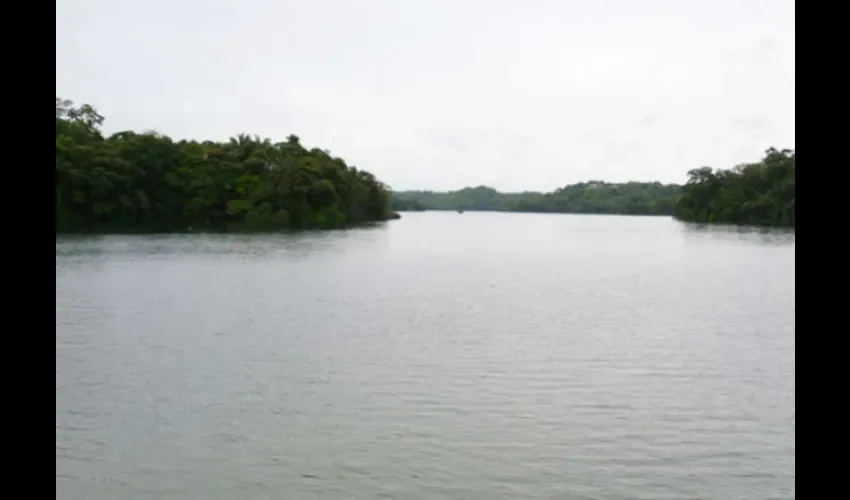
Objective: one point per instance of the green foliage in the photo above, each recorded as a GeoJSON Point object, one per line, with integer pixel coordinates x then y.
{"type": "Point", "coordinates": [131, 182]}
{"type": "Point", "coordinates": [405, 205]}
{"type": "Point", "coordinates": [595, 197]}
{"type": "Point", "coordinates": [759, 194]}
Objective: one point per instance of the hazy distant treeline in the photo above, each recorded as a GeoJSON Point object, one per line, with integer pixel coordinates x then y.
{"type": "Point", "coordinates": [595, 197]}
{"type": "Point", "coordinates": [760, 193]}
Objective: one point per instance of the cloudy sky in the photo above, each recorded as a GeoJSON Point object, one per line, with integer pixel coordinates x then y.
{"type": "Point", "coordinates": [441, 94]}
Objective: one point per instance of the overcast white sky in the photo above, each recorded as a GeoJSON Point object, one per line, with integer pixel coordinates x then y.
{"type": "Point", "coordinates": [441, 94]}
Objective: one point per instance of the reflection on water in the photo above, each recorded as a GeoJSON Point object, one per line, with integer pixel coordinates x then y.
{"type": "Point", "coordinates": [780, 236]}
{"type": "Point", "coordinates": [483, 356]}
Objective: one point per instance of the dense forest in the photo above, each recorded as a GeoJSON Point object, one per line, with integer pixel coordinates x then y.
{"type": "Point", "coordinates": [405, 204]}
{"type": "Point", "coordinates": [595, 197]}
{"type": "Point", "coordinates": [132, 182]}
{"type": "Point", "coordinates": [760, 193]}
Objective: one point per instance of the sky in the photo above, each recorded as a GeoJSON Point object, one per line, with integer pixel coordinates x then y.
{"type": "Point", "coordinates": [442, 94]}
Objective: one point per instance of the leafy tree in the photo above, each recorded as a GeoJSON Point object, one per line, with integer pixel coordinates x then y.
{"type": "Point", "coordinates": [759, 193]}
{"type": "Point", "coordinates": [131, 182]}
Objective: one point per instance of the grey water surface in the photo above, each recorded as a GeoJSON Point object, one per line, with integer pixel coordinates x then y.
{"type": "Point", "coordinates": [441, 356]}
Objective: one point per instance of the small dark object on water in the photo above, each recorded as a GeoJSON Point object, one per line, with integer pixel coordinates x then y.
{"type": "Point", "coordinates": [460, 211]}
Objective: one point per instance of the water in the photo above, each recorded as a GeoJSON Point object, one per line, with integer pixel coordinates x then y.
{"type": "Point", "coordinates": [442, 356]}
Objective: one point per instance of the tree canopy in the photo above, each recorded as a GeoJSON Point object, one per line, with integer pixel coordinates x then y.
{"type": "Point", "coordinates": [131, 181]}
{"type": "Point", "coordinates": [594, 197]}
{"type": "Point", "coordinates": [760, 193]}
{"type": "Point", "coordinates": [135, 182]}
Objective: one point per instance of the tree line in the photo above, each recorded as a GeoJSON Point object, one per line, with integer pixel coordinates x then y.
{"type": "Point", "coordinates": [760, 193]}
{"type": "Point", "coordinates": [136, 182]}
{"type": "Point", "coordinates": [594, 197]}
{"type": "Point", "coordinates": [132, 182]}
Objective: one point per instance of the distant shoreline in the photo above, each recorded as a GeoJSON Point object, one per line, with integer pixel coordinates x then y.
{"type": "Point", "coordinates": [759, 194]}
{"type": "Point", "coordinates": [147, 182]}
{"type": "Point", "coordinates": [594, 197]}
{"type": "Point", "coordinates": [496, 211]}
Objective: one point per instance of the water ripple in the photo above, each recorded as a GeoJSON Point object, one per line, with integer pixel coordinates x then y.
{"type": "Point", "coordinates": [489, 356]}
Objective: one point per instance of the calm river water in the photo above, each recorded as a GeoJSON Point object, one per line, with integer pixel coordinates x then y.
{"type": "Point", "coordinates": [441, 356]}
